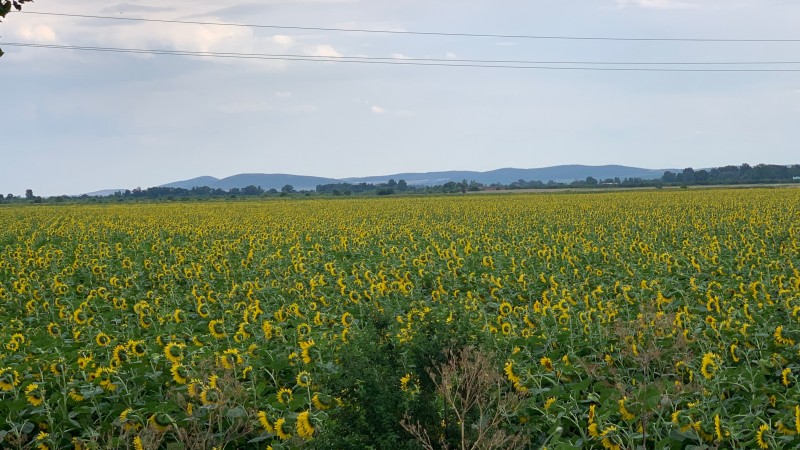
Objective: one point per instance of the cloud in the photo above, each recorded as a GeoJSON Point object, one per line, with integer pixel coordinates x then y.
{"type": "Point", "coordinates": [41, 34]}
{"type": "Point", "coordinates": [450, 55]}
{"type": "Point", "coordinates": [323, 50]}
{"type": "Point", "coordinates": [391, 112]}
{"type": "Point", "coordinates": [657, 4]}
{"type": "Point", "coordinates": [283, 94]}
{"type": "Point", "coordinates": [122, 8]}
{"type": "Point", "coordinates": [399, 56]}
{"type": "Point", "coordinates": [282, 39]}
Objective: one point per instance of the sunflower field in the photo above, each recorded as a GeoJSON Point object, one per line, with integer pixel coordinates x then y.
{"type": "Point", "coordinates": [650, 319]}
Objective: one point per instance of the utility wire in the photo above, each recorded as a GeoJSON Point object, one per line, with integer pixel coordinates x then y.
{"type": "Point", "coordinates": [402, 59]}
{"type": "Point", "coordinates": [420, 33]}
{"type": "Point", "coordinates": [409, 62]}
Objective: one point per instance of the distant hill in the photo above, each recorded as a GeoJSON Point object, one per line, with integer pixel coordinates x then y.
{"type": "Point", "coordinates": [194, 182]}
{"type": "Point", "coordinates": [565, 173]}
{"type": "Point", "coordinates": [267, 181]}
{"type": "Point", "coordinates": [104, 192]}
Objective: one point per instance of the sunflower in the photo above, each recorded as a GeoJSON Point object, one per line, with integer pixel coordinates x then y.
{"type": "Point", "coordinates": [709, 365]}
{"type": "Point", "coordinates": [179, 373]}
{"type": "Point", "coordinates": [102, 339]}
{"type": "Point", "coordinates": [120, 355]}
{"type": "Point", "coordinates": [9, 379]}
{"type": "Point", "coordinates": [105, 374]}
{"type": "Point", "coordinates": [160, 422]}
{"type": "Point", "coordinates": [58, 368]}
{"type": "Point", "coordinates": [41, 439]}
{"type": "Point", "coordinates": [85, 361]}
{"type": "Point", "coordinates": [303, 379]}
{"type": "Point", "coordinates": [322, 401]}
{"type": "Point", "coordinates": [797, 419]}
{"type": "Point", "coordinates": [137, 443]}
{"type": "Point", "coordinates": [760, 436]}
{"type": "Point", "coordinates": [281, 430]}
{"type": "Point", "coordinates": [303, 425]}
{"type": "Point", "coordinates": [137, 348]}
{"type": "Point", "coordinates": [178, 316]}
{"type": "Point", "coordinates": [80, 317]}
{"type": "Point", "coordinates": [53, 329]}
{"type": "Point", "coordinates": [145, 321]}
{"type": "Point", "coordinates": [284, 396]}
{"type": "Point", "coordinates": [347, 319]}
{"type": "Point", "coordinates": [210, 396]}
{"type": "Point", "coordinates": [264, 421]}
{"type": "Point", "coordinates": [306, 346]}
{"type": "Point", "coordinates": [217, 328]}
{"type": "Point", "coordinates": [303, 330]}
{"type": "Point", "coordinates": [174, 352]}
{"type": "Point", "coordinates": [547, 363]}
{"type": "Point", "coordinates": [129, 421]}
{"type": "Point", "coordinates": [230, 358]}
{"type": "Point", "coordinates": [34, 394]}
{"type": "Point", "coordinates": [626, 415]}
{"type": "Point", "coordinates": [192, 388]}
{"type": "Point", "coordinates": [509, 371]}
{"type": "Point", "coordinates": [76, 396]}
{"type": "Point", "coordinates": [267, 328]}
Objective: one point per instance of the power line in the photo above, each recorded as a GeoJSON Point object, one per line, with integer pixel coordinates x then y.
{"type": "Point", "coordinates": [420, 33]}
{"type": "Point", "coordinates": [412, 62]}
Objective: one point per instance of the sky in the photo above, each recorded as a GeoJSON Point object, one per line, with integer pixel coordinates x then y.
{"type": "Point", "coordinates": [79, 121]}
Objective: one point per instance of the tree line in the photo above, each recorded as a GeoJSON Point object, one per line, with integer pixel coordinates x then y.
{"type": "Point", "coordinates": [726, 175]}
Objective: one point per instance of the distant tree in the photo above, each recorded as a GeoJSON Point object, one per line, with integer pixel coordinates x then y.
{"type": "Point", "coordinates": [272, 191]}
{"type": "Point", "coordinates": [391, 183]}
{"type": "Point", "coordinates": [9, 196]}
{"type": "Point", "coordinates": [668, 177]}
{"type": "Point", "coordinates": [235, 191]}
{"type": "Point", "coordinates": [5, 8]}
{"type": "Point", "coordinates": [252, 190]}
{"type": "Point", "coordinates": [28, 194]}
{"type": "Point", "coordinates": [688, 175]}
{"type": "Point", "coordinates": [591, 181]}
{"type": "Point", "coordinates": [287, 189]}
{"type": "Point", "coordinates": [402, 185]}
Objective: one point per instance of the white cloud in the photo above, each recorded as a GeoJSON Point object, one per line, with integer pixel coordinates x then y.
{"type": "Point", "coordinates": [450, 55]}
{"type": "Point", "coordinates": [323, 50]}
{"type": "Point", "coordinates": [283, 94]}
{"type": "Point", "coordinates": [41, 34]}
{"type": "Point", "coordinates": [391, 112]}
{"type": "Point", "coordinates": [282, 39]}
{"type": "Point", "coordinates": [657, 4]}
{"type": "Point", "coordinates": [399, 56]}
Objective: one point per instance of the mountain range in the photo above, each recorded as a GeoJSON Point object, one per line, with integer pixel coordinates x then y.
{"type": "Point", "coordinates": [563, 173]}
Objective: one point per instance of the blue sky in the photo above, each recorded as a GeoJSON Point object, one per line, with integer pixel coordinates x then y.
{"type": "Point", "coordinates": [78, 122]}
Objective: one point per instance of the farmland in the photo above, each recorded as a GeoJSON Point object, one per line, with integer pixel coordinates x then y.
{"type": "Point", "coordinates": [664, 319]}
